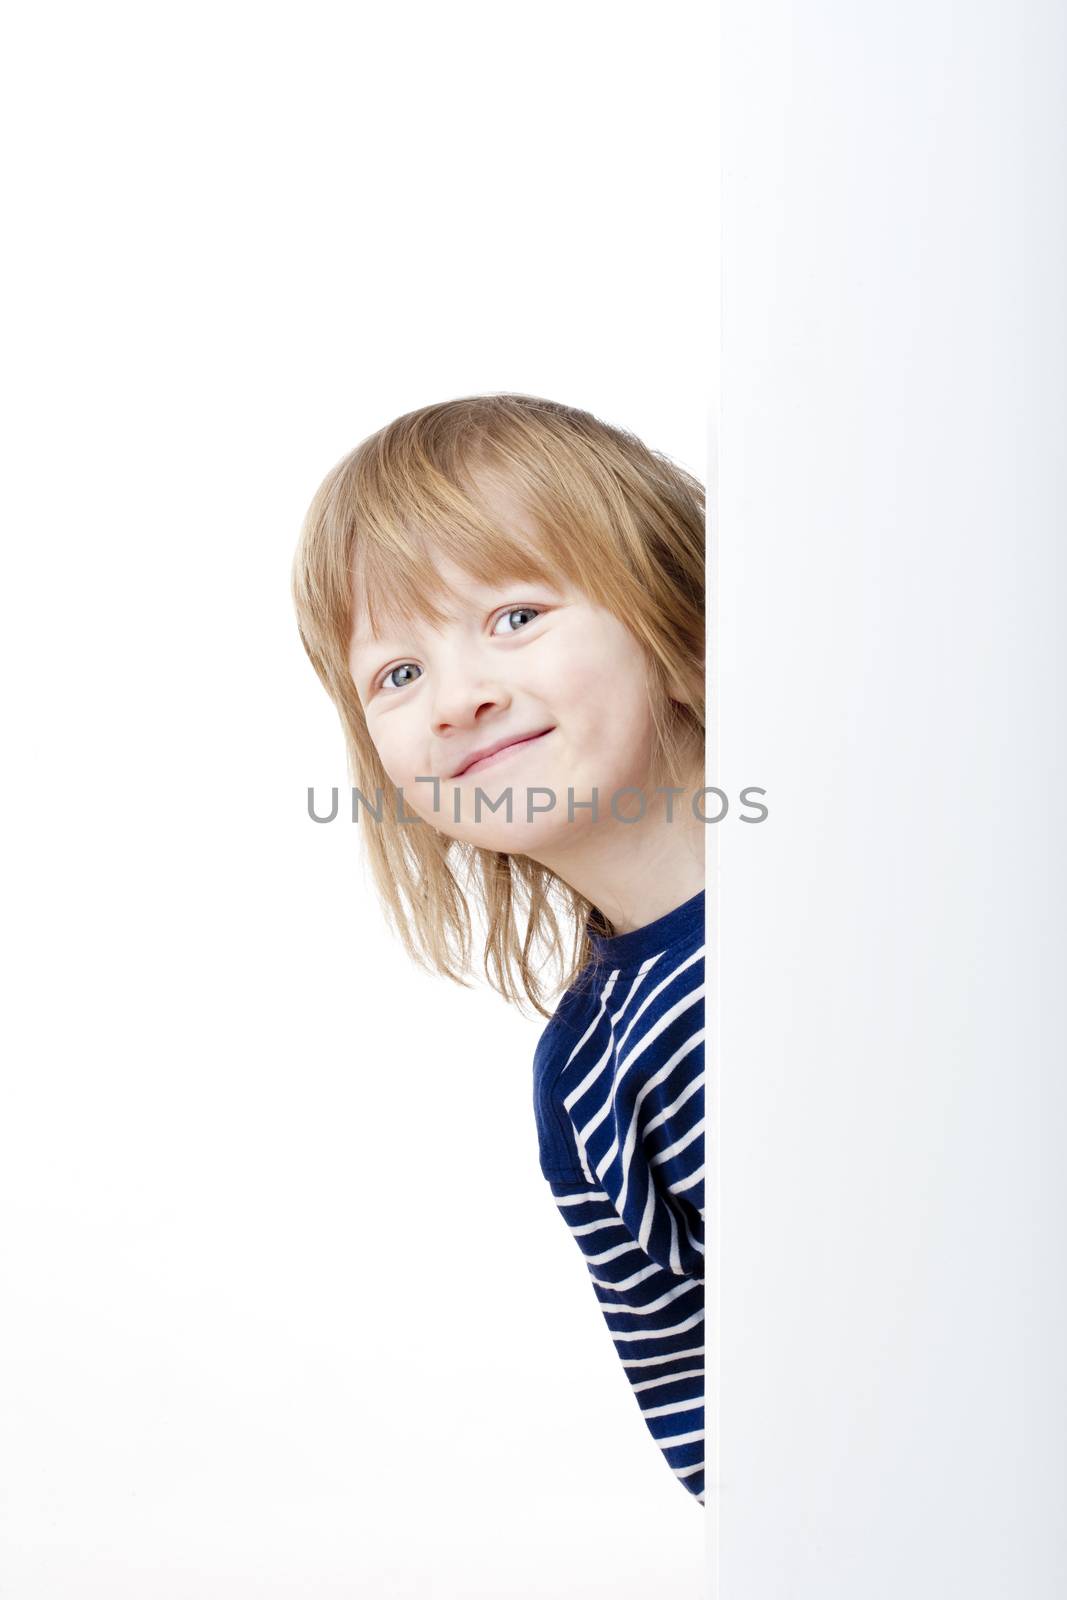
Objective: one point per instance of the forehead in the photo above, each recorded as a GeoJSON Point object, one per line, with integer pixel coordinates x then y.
{"type": "Point", "coordinates": [457, 590]}
{"type": "Point", "coordinates": [458, 593]}
{"type": "Point", "coordinates": [427, 561]}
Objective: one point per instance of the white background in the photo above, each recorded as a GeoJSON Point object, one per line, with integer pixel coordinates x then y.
{"type": "Point", "coordinates": [287, 1308]}
{"type": "Point", "coordinates": [894, 409]}
{"type": "Point", "coordinates": [231, 1359]}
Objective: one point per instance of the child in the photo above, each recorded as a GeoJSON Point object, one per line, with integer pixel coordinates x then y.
{"type": "Point", "coordinates": [555, 764]}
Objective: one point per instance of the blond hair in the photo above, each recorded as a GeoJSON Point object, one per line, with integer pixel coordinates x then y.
{"type": "Point", "coordinates": [620, 521]}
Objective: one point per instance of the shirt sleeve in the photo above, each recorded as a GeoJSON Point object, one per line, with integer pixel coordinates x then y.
{"type": "Point", "coordinates": [637, 1215]}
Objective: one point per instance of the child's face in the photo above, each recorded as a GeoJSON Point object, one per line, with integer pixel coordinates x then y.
{"type": "Point", "coordinates": [565, 670]}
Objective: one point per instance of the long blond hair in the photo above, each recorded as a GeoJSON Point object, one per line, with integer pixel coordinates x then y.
{"type": "Point", "coordinates": [620, 521]}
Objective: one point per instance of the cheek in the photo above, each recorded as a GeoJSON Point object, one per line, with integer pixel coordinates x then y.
{"type": "Point", "coordinates": [604, 688]}
{"type": "Point", "coordinates": [581, 674]}
{"type": "Point", "coordinates": [394, 750]}
{"type": "Point", "coordinates": [603, 701]}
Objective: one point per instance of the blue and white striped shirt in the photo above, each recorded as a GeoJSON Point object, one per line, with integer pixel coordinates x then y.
{"type": "Point", "coordinates": [619, 1101]}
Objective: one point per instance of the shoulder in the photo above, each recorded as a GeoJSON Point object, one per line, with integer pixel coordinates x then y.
{"type": "Point", "coordinates": [574, 1009]}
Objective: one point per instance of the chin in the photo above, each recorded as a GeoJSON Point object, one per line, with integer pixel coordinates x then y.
{"type": "Point", "coordinates": [518, 838]}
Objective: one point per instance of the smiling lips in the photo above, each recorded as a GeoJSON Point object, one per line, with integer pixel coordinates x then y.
{"type": "Point", "coordinates": [496, 752]}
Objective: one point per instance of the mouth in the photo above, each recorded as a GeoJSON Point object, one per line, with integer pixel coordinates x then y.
{"type": "Point", "coordinates": [501, 753]}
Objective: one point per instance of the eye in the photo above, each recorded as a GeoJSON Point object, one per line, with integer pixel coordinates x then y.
{"type": "Point", "coordinates": [384, 683]}
{"type": "Point", "coordinates": [386, 680]}
{"type": "Point", "coordinates": [516, 611]}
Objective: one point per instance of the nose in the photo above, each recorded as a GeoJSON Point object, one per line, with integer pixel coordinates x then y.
{"type": "Point", "coordinates": [464, 696]}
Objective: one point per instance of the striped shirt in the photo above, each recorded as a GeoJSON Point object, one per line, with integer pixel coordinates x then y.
{"type": "Point", "coordinates": [619, 1102]}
